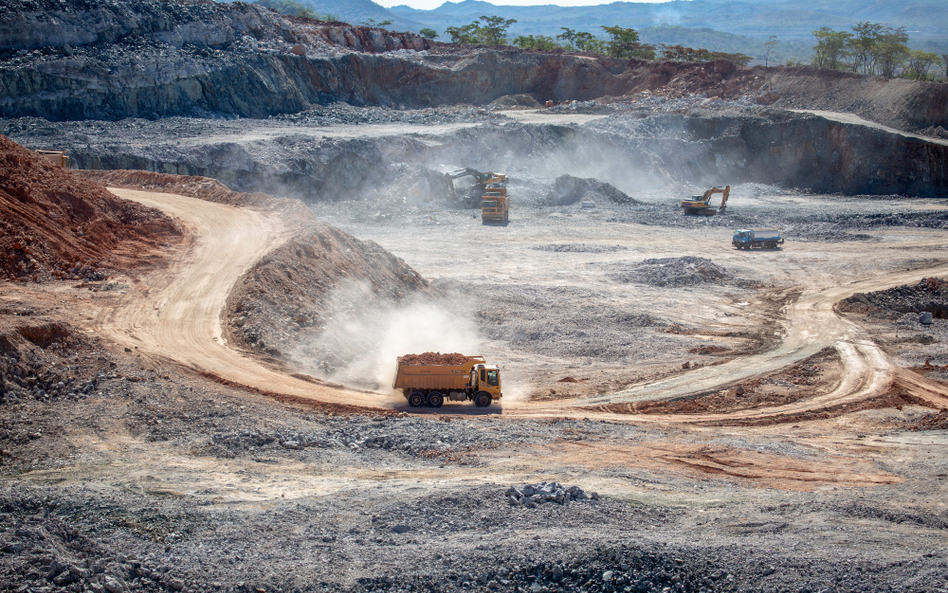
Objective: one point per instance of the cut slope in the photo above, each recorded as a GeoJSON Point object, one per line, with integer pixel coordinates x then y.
{"type": "Point", "coordinates": [59, 225]}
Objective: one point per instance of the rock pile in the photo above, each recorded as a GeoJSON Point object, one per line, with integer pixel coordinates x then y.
{"type": "Point", "coordinates": [533, 495]}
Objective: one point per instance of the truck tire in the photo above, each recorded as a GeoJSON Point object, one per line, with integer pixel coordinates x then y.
{"type": "Point", "coordinates": [416, 398]}
{"type": "Point", "coordinates": [435, 399]}
{"type": "Point", "coordinates": [482, 399]}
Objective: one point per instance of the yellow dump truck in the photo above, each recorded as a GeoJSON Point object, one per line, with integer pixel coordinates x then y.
{"type": "Point", "coordinates": [495, 209]}
{"type": "Point", "coordinates": [57, 156]}
{"type": "Point", "coordinates": [430, 378]}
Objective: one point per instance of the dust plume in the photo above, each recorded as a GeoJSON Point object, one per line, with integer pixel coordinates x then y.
{"type": "Point", "coordinates": [363, 334]}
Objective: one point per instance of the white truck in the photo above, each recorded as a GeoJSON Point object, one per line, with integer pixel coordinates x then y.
{"type": "Point", "coordinates": [757, 238]}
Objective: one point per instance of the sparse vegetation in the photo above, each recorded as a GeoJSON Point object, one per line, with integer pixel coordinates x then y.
{"type": "Point", "coordinates": [623, 42]}
{"type": "Point", "coordinates": [538, 42]}
{"type": "Point", "coordinates": [770, 45]}
{"type": "Point", "coordinates": [872, 48]}
{"type": "Point", "coordinates": [493, 31]}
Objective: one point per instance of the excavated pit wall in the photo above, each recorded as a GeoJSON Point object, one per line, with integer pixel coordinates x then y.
{"type": "Point", "coordinates": [630, 151]}
{"type": "Point", "coordinates": [107, 60]}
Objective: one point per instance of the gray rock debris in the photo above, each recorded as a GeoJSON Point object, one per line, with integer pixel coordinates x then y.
{"type": "Point", "coordinates": [532, 495]}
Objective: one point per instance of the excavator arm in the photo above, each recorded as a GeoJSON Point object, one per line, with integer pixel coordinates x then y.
{"type": "Point", "coordinates": [478, 176]}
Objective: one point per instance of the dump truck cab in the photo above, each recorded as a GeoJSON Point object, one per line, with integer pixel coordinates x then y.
{"type": "Point", "coordinates": [486, 377]}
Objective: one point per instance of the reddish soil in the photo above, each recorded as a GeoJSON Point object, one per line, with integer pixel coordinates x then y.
{"type": "Point", "coordinates": [56, 224]}
{"type": "Point", "coordinates": [430, 358]}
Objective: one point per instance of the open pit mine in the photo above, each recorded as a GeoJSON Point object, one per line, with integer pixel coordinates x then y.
{"type": "Point", "coordinates": [255, 335]}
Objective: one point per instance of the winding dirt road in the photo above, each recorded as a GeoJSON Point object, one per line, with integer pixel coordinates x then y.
{"type": "Point", "coordinates": [177, 317]}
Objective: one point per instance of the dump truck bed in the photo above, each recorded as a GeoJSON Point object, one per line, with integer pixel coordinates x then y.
{"type": "Point", "coordinates": [434, 376]}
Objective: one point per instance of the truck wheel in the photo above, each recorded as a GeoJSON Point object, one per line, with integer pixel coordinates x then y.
{"type": "Point", "coordinates": [482, 399]}
{"type": "Point", "coordinates": [416, 399]}
{"type": "Point", "coordinates": [435, 399]}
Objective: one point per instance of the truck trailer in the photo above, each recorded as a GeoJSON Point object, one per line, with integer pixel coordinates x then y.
{"type": "Point", "coordinates": [757, 238]}
{"type": "Point", "coordinates": [430, 378]}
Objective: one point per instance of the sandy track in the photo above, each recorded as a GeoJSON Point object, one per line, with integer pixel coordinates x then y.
{"type": "Point", "coordinates": [812, 325]}
{"type": "Point", "coordinates": [177, 315]}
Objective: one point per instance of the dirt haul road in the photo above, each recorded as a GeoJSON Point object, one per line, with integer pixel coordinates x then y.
{"type": "Point", "coordinates": [177, 317]}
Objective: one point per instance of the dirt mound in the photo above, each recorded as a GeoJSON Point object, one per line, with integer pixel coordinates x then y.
{"type": "Point", "coordinates": [930, 294]}
{"type": "Point", "coordinates": [937, 421]}
{"type": "Point", "coordinates": [569, 190]}
{"type": "Point", "coordinates": [59, 225]}
{"type": "Point", "coordinates": [515, 102]}
{"type": "Point", "coordinates": [287, 299]}
{"type": "Point", "coordinates": [674, 272]}
{"type": "Point", "coordinates": [432, 358]}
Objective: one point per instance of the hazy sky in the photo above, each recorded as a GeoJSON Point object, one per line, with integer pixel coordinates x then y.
{"type": "Point", "coordinates": [429, 4]}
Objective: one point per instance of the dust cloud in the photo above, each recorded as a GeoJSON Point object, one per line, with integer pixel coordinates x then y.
{"type": "Point", "coordinates": [363, 334]}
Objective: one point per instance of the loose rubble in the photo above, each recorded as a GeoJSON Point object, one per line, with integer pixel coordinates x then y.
{"type": "Point", "coordinates": [533, 495]}
{"type": "Point", "coordinates": [928, 298]}
{"type": "Point", "coordinates": [674, 271]}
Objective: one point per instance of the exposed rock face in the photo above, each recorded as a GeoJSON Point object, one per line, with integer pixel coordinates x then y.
{"type": "Point", "coordinates": [903, 104]}
{"type": "Point", "coordinates": [104, 59]}
{"type": "Point", "coordinates": [772, 147]}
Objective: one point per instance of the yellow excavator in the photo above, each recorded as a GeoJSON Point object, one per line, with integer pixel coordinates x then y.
{"type": "Point", "coordinates": [701, 205]}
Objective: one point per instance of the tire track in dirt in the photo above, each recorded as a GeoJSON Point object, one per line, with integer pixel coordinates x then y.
{"type": "Point", "coordinates": [178, 317]}
{"type": "Point", "coordinates": [812, 325]}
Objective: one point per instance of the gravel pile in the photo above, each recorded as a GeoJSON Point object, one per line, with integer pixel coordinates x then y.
{"type": "Point", "coordinates": [345, 114]}
{"type": "Point", "coordinates": [29, 369]}
{"type": "Point", "coordinates": [533, 495]}
{"type": "Point", "coordinates": [673, 272]}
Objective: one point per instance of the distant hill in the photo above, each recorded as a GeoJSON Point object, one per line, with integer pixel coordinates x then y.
{"type": "Point", "coordinates": [791, 21]}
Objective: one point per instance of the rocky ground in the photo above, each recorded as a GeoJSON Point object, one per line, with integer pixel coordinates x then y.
{"type": "Point", "coordinates": [64, 528]}
{"type": "Point", "coordinates": [121, 472]}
